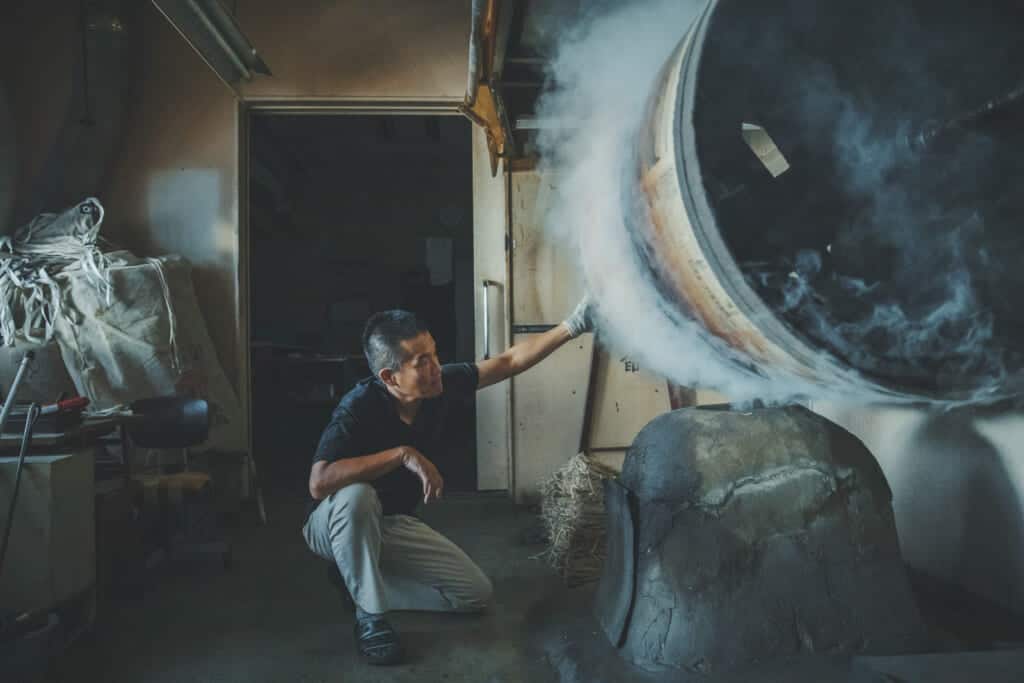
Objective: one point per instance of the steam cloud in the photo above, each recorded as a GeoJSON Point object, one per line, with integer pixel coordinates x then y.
{"type": "Point", "coordinates": [935, 320]}
{"type": "Point", "coordinates": [603, 75]}
{"type": "Point", "coordinates": [605, 71]}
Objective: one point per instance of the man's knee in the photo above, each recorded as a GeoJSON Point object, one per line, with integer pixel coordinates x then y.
{"type": "Point", "coordinates": [475, 595]}
{"type": "Point", "coordinates": [356, 500]}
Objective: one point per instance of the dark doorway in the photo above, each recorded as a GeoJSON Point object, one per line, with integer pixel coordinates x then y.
{"type": "Point", "coordinates": [348, 215]}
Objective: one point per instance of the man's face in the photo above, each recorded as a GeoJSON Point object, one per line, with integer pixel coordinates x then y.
{"type": "Point", "coordinates": [420, 373]}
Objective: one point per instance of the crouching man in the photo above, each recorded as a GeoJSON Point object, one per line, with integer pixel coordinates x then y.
{"type": "Point", "coordinates": [374, 464]}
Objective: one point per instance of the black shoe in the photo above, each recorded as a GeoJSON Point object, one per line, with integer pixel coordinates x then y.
{"type": "Point", "coordinates": [376, 641]}
{"type": "Point", "coordinates": [334, 576]}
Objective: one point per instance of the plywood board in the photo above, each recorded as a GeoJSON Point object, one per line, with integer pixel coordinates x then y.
{"type": "Point", "coordinates": [625, 398]}
{"type": "Point", "coordinates": [611, 459]}
{"type": "Point", "coordinates": [490, 262]}
{"type": "Point", "coordinates": [710, 397]}
{"type": "Point", "coordinates": [544, 274]}
{"type": "Point", "coordinates": [548, 404]}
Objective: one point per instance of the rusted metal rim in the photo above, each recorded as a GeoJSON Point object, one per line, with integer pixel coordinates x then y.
{"type": "Point", "coordinates": [694, 258]}
{"type": "Point", "coordinates": [764, 338]}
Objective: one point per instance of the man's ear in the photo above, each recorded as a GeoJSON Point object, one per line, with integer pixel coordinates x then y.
{"type": "Point", "coordinates": [387, 375]}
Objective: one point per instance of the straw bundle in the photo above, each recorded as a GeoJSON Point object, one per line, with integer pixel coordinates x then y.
{"type": "Point", "coordinates": [572, 510]}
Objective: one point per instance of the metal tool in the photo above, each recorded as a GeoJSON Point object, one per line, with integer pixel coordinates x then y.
{"type": "Point", "coordinates": [932, 131]}
{"type": "Point", "coordinates": [30, 419]}
{"type": "Point", "coordinates": [487, 316]}
{"type": "Point", "coordinates": [12, 395]}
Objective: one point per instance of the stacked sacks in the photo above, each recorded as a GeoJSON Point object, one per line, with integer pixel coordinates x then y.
{"type": "Point", "coordinates": [127, 327]}
{"type": "Point", "coordinates": [150, 340]}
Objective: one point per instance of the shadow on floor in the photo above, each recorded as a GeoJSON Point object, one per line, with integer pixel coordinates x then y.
{"type": "Point", "coordinates": [275, 618]}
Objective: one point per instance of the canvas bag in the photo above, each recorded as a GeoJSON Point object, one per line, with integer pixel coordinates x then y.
{"type": "Point", "coordinates": [149, 340]}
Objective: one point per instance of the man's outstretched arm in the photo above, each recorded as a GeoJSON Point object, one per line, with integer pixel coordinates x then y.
{"type": "Point", "coordinates": [526, 354]}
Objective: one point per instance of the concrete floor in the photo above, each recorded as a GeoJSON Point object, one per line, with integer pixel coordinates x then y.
{"type": "Point", "coordinates": [275, 618]}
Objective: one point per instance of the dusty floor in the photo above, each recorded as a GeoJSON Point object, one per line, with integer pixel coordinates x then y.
{"type": "Point", "coordinates": [275, 618]}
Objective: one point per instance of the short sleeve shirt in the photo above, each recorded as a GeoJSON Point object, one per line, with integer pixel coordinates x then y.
{"type": "Point", "coordinates": [366, 421]}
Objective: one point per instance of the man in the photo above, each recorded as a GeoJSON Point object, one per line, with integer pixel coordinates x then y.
{"type": "Point", "coordinates": [374, 464]}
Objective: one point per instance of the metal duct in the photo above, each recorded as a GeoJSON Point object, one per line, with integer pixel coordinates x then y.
{"type": "Point", "coordinates": [214, 34]}
{"type": "Point", "coordinates": [476, 18]}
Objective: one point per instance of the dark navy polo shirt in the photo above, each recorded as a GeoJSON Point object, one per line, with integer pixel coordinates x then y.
{"type": "Point", "coordinates": [366, 421]}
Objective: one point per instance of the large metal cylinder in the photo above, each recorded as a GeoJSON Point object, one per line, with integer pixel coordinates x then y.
{"type": "Point", "coordinates": [789, 205]}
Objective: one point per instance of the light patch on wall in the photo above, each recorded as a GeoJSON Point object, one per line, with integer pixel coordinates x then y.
{"type": "Point", "coordinates": [226, 238]}
{"type": "Point", "coordinates": [1006, 432]}
{"type": "Point", "coordinates": [184, 208]}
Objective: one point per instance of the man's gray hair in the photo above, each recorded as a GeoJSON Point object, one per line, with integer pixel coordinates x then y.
{"type": "Point", "coordinates": [383, 337]}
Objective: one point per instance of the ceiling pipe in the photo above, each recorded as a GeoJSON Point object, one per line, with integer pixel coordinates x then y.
{"type": "Point", "coordinates": [475, 51]}
{"type": "Point", "coordinates": [216, 37]}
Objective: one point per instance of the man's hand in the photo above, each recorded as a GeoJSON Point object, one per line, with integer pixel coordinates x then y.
{"type": "Point", "coordinates": [581, 319]}
{"type": "Point", "coordinates": [536, 348]}
{"type": "Point", "coordinates": [417, 463]}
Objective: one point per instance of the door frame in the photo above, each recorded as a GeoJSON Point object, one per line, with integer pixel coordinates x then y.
{"type": "Point", "coordinates": [354, 106]}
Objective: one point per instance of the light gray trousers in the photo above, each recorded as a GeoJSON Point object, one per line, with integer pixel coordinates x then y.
{"type": "Point", "coordinates": [395, 562]}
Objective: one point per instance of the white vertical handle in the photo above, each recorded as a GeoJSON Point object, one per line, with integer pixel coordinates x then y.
{"type": "Point", "coordinates": [487, 315]}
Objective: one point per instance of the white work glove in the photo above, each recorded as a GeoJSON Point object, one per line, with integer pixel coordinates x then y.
{"type": "Point", "coordinates": [581, 319]}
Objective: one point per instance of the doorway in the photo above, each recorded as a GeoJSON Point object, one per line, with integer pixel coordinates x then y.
{"type": "Point", "coordinates": [349, 214]}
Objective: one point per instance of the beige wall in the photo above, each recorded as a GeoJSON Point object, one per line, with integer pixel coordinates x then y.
{"type": "Point", "coordinates": [401, 49]}
{"type": "Point", "coordinates": [957, 480]}
{"type": "Point", "coordinates": [175, 187]}
{"type": "Point", "coordinates": [490, 262]}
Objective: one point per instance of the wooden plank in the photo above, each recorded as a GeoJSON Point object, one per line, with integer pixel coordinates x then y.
{"type": "Point", "coordinates": [490, 262]}
{"type": "Point", "coordinates": [612, 459]}
{"type": "Point", "coordinates": [626, 397]}
{"type": "Point", "coordinates": [548, 404]}
{"type": "Point", "coordinates": [544, 274]}
{"type": "Point", "coordinates": [706, 397]}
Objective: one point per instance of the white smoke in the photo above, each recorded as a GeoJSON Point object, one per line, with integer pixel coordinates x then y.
{"type": "Point", "coordinates": [604, 74]}
{"type": "Point", "coordinates": [934, 320]}
{"type": "Point", "coordinates": [602, 77]}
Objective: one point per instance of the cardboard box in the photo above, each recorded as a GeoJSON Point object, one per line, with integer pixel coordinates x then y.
{"type": "Point", "coordinates": [52, 552]}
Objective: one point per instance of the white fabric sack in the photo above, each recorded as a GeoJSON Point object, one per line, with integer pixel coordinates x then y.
{"type": "Point", "coordinates": [30, 299]}
{"type": "Point", "coordinates": [46, 379]}
{"type": "Point", "coordinates": [150, 340]}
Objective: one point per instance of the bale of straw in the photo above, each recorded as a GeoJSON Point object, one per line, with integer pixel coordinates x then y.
{"type": "Point", "coordinates": [572, 510]}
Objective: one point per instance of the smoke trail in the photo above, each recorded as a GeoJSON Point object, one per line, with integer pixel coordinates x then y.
{"type": "Point", "coordinates": [604, 73]}
{"type": "Point", "coordinates": [923, 322]}
{"type": "Point", "coordinates": [602, 77]}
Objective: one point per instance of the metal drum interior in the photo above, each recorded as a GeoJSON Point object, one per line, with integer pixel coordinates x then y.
{"type": "Point", "coordinates": [849, 179]}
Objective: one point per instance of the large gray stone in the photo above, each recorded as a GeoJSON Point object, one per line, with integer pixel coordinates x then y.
{"type": "Point", "coordinates": [759, 534]}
